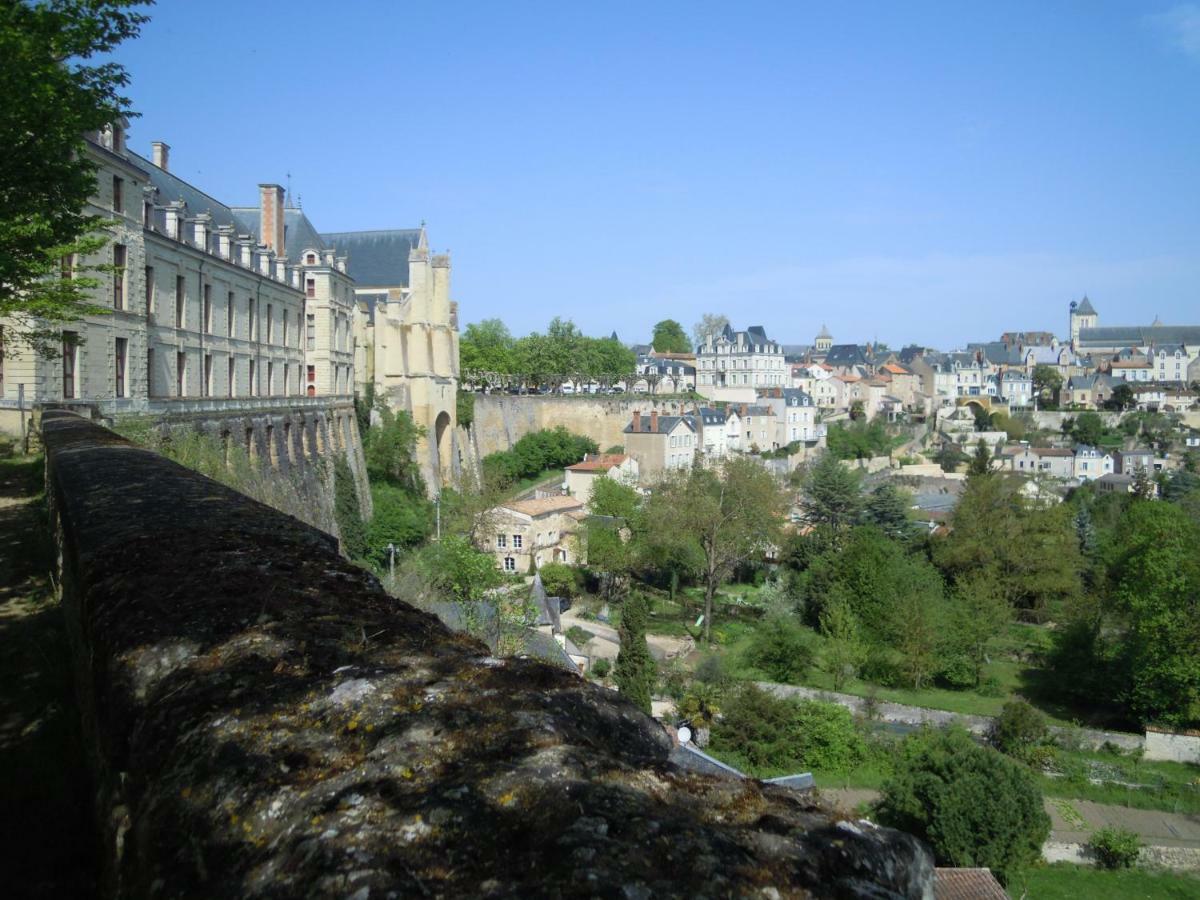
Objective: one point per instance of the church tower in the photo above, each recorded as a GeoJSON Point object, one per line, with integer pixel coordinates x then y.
{"type": "Point", "coordinates": [1083, 315]}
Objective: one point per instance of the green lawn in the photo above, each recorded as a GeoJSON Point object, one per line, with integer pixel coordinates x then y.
{"type": "Point", "coordinates": [1168, 786]}
{"type": "Point", "coordinates": [543, 478]}
{"type": "Point", "coordinates": [1063, 881]}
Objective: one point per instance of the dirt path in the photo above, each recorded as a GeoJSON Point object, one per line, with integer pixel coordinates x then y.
{"type": "Point", "coordinates": [1073, 821]}
{"type": "Point", "coordinates": [45, 798]}
{"type": "Point", "coordinates": [606, 642]}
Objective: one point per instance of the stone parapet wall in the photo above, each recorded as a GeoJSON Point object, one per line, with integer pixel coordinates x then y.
{"type": "Point", "coordinates": [264, 721]}
{"type": "Point", "coordinates": [1176, 746]}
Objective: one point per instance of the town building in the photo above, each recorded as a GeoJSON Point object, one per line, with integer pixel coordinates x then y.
{"type": "Point", "coordinates": [732, 365]}
{"type": "Point", "coordinates": [579, 479]}
{"type": "Point", "coordinates": [527, 534]}
{"type": "Point", "coordinates": [1091, 462]}
{"type": "Point", "coordinates": [795, 417]}
{"type": "Point", "coordinates": [661, 443]}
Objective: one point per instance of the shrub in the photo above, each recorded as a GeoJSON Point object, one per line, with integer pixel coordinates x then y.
{"type": "Point", "coordinates": [781, 649]}
{"type": "Point", "coordinates": [1115, 848]}
{"type": "Point", "coordinates": [1019, 730]}
{"type": "Point", "coordinates": [971, 804]}
{"type": "Point", "coordinates": [601, 667]}
{"type": "Point", "coordinates": [346, 510]}
{"type": "Point", "coordinates": [635, 671]}
{"type": "Point", "coordinates": [712, 670]}
{"type": "Point", "coordinates": [764, 732]}
{"type": "Point", "coordinates": [579, 636]}
{"type": "Point", "coordinates": [560, 580]}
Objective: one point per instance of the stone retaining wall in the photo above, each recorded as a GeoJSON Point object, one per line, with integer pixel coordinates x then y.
{"type": "Point", "coordinates": [1177, 746]}
{"type": "Point", "coordinates": [264, 721]}
{"type": "Point", "coordinates": [1181, 859]}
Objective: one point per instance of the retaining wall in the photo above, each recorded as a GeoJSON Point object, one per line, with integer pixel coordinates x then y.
{"type": "Point", "coordinates": [1176, 746]}
{"type": "Point", "coordinates": [262, 720]}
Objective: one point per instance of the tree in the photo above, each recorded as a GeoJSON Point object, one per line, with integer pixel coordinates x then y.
{"type": "Point", "coordinates": [613, 498]}
{"type": "Point", "coordinates": [972, 805]}
{"type": "Point", "coordinates": [978, 615]}
{"type": "Point", "coordinates": [710, 323]}
{"type": "Point", "coordinates": [1122, 398]}
{"type": "Point", "coordinates": [981, 462]}
{"type": "Point", "coordinates": [1019, 731]}
{"type": "Point", "coordinates": [1047, 382]}
{"type": "Point", "coordinates": [635, 666]}
{"type": "Point", "coordinates": [728, 514]}
{"type": "Point", "coordinates": [832, 494]}
{"type": "Point", "coordinates": [669, 337]}
{"type": "Point", "coordinates": [887, 509]}
{"type": "Point", "coordinates": [486, 347]}
{"type": "Point", "coordinates": [1088, 428]}
{"type": "Point", "coordinates": [844, 649]}
{"type": "Point", "coordinates": [1156, 590]}
{"type": "Point", "coordinates": [53, 97]}
{"type": "Point", "coordinates": [390, 450]}
{"type": "Point", "coordinates": [782, 650]}
{"type": "Point", "coordinates": [459, 570]}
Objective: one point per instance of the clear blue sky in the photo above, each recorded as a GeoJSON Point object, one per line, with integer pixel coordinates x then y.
{"type": "Point", "coordinates": [909, 171]}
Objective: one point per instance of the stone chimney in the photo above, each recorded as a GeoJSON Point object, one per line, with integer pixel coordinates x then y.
{"type": "Point", "coordinates": [271, 211]}
{"type": "Point", "coordinates": [654, 421]}
{"type": "Point", "coordinates": [160, 155]}
{"type": "Point", "coordinates": [637, 421]}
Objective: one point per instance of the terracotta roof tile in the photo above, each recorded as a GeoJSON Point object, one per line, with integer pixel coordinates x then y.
{"type": "Point", "coordinates": [601, 463]}
{"type": "Point", "coordinates": [966, 884]}
{"type": "Point", "coordinates": [545, 505]}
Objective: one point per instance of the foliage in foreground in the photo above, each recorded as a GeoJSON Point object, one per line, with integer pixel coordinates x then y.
{"type": "Point", "coordinates": [973, 806]}
{"type": "Point", "coordinates": [1115, 848]}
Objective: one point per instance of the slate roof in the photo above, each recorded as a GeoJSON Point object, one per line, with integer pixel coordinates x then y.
{"type": "Point", "coordinates": [299, 233]}
{"type": "Point", "coordinates": [1085, 308]}
{"type": "Point", "coordinates": [999, 353]}
{"type": "Point", "coordinates": [171, 188]}
{"type": "Point", "coordinates": [711, 416]}
{"type": "Point", "coordinates": [376, 258]}
{"type": "Point", "coordinates": [846, 355]}
{"type": "Point", "coordinates": [666, 424]}
{"type": "Point", "coordinates": [1139, 335]}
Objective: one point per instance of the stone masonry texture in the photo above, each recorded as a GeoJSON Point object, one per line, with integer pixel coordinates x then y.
{"type": "Point", "coordinates": [265, 721]}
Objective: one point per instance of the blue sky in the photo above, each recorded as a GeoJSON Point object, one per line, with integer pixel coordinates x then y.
{"type": "Point", "coordinates": [922, 172]}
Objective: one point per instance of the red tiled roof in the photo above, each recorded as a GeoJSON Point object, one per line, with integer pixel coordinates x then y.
{"type": "Point", "coordinates": [966, 884]}
{"type": "Point", "coordinates": [600, 463]}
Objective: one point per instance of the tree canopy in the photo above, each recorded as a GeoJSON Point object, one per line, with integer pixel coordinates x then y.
{"type": "Point", "coordinates": [669, 337]}
{"type": "Point", "coordinates": [710, 323]}
{"type": "Point", "coordinates": [487, 350]}
{"type": "Point", "coordinates": [54, 93]}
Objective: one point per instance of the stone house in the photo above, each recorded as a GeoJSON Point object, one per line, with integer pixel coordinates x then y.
{"type": "Point", "coordinates": [1050, 461]}
{"type": "Point", "coordinates": [1126, 462]}
{"type": "Point", "coordinates": [739, 359]}
{"type": "Point", "coordinates": [1015, 386]}
{"type": "Point", "coordinates": [795, 416]}
{"type": "Point", "coordinates": [1115, 483]}
{"type": "Point", "coordinates": [661, 443]}
{"type": "Point", "coordinates": [758, 428]}
{"type": "Point", "coordinates": [579, 478]}
{"type": "Point", "coordinates": [525, 533]}
{"type": "Point", "coordinates": [1091, 462]}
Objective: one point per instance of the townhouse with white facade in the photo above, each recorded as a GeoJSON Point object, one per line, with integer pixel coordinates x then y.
{"type": "Point", "coordinates": [1092, 462]}
{"type": "Point", "coordinates": [733, 364]}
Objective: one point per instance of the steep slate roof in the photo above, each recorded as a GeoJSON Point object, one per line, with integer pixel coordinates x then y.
{"type": "Point", "coordinates": [376, 258]}
{"type": "Point", "coordinates": [999, 353]}
{"type": "Point", "coordinates": [299, 234]}
{"type": "Point", "coordinates": [846, 355]}
{"type": "Point", "coordinates": [171, 188]}
{"type": "Point", "coordinates": [711, 416]}
{"type": "Point", "coordinates": [1085, 308]}
{"type": "Point", "coordinates": [666, 424]}
{"type": "Point", "coordinates": [1139, 335]}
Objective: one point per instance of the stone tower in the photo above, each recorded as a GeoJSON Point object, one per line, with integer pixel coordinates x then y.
{"type": "Point", "coordinates": [1083, 315]}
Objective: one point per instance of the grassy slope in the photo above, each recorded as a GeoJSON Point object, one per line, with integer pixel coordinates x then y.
{"type": "Point", "coordinates": [1064, 881]}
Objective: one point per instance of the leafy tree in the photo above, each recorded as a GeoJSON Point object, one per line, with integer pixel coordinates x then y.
{"type": "Point", "coordinates": [710, 323]}
{"type": "Point", "coordinates": [950, 457]}
{"type": "Point", "coordinates": [844, 648]}
{"type": "Point", "coordinates": [859, 440]}
{"type": "Point", "coordinates": [978, 615]}
{"type": "Point", "coordinates": [1116, 848]}
{"type": "Point", "coordinates": [346, 511]}
{"type": "Point", "coordinates": [769, 735]}
{"type": "Point", "coordinates": [560, 580]}
{"type": "Point", "coordinates": [669, 337]}
{"type": "Point", "coordinates": [485, 346]}
{"type": "Point", "coordinates": [390, 450]}
{"type": "Point", "coordinates": [973, 806]}
{"type": "Point", "coordinates": [1121, 399]}
{"type": "Point", "coordinates": [1156, 590]}
{"type": "Point", "coordinates": [458, 569]}
{"type": "Point", "coordinates": [536, 452]}
{"type": "Point", "coordinates": [400, 517]}
{"type": "Point", "coordinates": [832, 494]}
{"type": "Point", "coordinates": [1047, 382]}
{"type": "Point", "coordinates": [1019, 731]}
{"type": "Point", "coordinates": [636, 669]}
{"type": "Point", "coordinates": [723, 516]}
{"type": "Point", "coordinates": [782, 649]}
{"type": "Point", "coordinates": [1088, 428]}
{"type": "Point", "coordinates": [54, 94]}
{"type": "Point", "coordinates": [612, 498]}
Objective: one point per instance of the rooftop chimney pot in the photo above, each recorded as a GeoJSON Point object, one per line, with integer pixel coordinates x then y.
{"type": "Point", "coordinates": [160, 155]}
{"type": "Point", "coordinates": [271, 213]}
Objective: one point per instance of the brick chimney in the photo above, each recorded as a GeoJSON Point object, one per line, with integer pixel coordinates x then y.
{"type": "Point", "coordinates": [271, 210]}
{"type": "Point", "coordinates": [654, 421]}
{"type": "Point", "coordinates": [160, 155]}
{"type": "Point", "coordinates": [637, 421]}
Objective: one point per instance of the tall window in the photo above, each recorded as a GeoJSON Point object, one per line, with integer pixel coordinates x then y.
{"type": "Point", "coordinates": [149, 290]}
{"type": "Point", "coordinates": [206, 387]}
{"type": "Point", "coordinates": [270, 324]}
{"type": "Point", "coordinates": [120, 254]}
{"type": "Point", "coordinates": [311, 323]}
{"type": "Point", "coordinates": [180, 374]}
{"type": "Point", "coordinates": [118, 192]}
{"type": "Point", "coordinates": [179, 301]}
{"type": "Point", "coordinates": [287, 385]}
{"type": "Point", "coordinates": [69, 350]}
{"type": "Point", "coordinates": [270, 378]}
{"type": "Point", "coordinates": [147, 213]}
{"type": "Point", "coordinates": [250, 380]}
{"type": "Point", "coordinates": [310, 287]}
{"type": "Point", "coordinates": [207, 317]}
{"type": "Point", "coordinates": [229, 315]}
{"type": "Point", "coordinates": [284, 317]}
{"type": "Point", "coordinates": [232, 376]}
{"type": "Point", "coordinates": [121, 355]}
{"type": "Point", "coordinates": [250, 330]}
{"type": "Point", "coordinates": [150, 372]}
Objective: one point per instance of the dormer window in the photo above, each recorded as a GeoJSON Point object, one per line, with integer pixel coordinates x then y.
{"type": "Point", "coordinates": [310, 259]}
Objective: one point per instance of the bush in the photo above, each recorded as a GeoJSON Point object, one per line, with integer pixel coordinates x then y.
{"type": "Point", "coordinates": [712, 670]}
{"type": "Point", "coordinates": [781, 649]}
{"type": "Point", "coordinates": [1115, 848]}
{"type": "Point", "coordinates": [1019, 730]}
{"type": "Point", "coordinates": [768, 733]}
{"type": "Point", "coordinates": [560, 580]}
{"type": "Point", "coordinates": [535, 453]}
{"type": "Point", "coordinates": [601, 667]}
{"type": "Point", "coordinates": [971, 804]}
